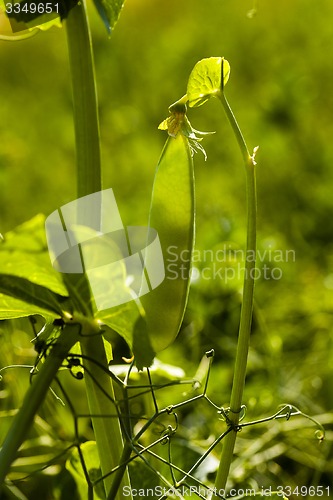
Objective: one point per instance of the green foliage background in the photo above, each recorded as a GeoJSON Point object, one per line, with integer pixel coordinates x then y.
{"type": "Point", "coordinates": [280, 90]}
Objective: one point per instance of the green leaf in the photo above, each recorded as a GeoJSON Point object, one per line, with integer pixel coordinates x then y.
{"type": "Point", "coordinates": [206, 80]}
{"type": "Point", "coordinates": [30, 286]}
{"type": "Point", "coordinates": [24, 290]}
{"type": "Point", "coordinates": [28, 283]}
{"type": "Point", "coordinates": [79, 292]}
{"type": "Point", "coordinates": [124, 318]}
{"type": "Point", "coordinates": [11, 308]}
{"type": "Point", "coordinates": [92, 465]}
{"type": "Point", "coordinates": [127, 321]}
{"type": "Point", "coordinates": [37, 451]}
{"type": "Point", "coordinates": [24, 253]}
{"type": "Point", "coordinates": [144, 479]}
{"type": "Point", "coordinates": [142, 344]}
{"type": "Point", "coordinates": [172, 216]}
{"type": "Point", "coordinates": [121, 319]}
{"type": "Point", "coordinates": [109, 11]}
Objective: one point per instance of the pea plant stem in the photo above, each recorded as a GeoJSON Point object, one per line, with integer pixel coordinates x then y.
{"type": "Point", "coordinates": [246, 309]}
{"type": "Point", "coordinates": [107, 429]}
{"type": "Point", "coordinates": [85, 108]}
{"type": "Point", "coordinates": [101, 402]}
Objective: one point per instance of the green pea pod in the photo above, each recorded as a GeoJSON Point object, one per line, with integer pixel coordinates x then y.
{"type": "Point", "coordinates": [172, 214]}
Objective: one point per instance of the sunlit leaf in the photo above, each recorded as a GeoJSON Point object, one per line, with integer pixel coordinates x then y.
{"type": "Point", "coordinates": [206, 80]}
{"type": "Point", "coordinates": [113, 301]}
{"type": "Point", "coordinates": [109, 11]}
{"type": "Point", "coordinates": [92, 465]}
{"type": "Point", "coordinates": [13, 308]}
{"type": "Point", "coordinates": [24, 253]}
{"type": "Point", "coordinates": [127, 321]}
{"type": "Point", "coordinates": [37, 452]}
{"type": "Point", "coordinates": [56, 23]}
{"type": "Point", "coordinates": [28, 283]}
{"type": "Point", "coordinates": [31, 293]}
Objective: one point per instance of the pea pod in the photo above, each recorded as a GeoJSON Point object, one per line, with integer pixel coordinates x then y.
{"type": "Point", "coordinates": [172, 214]}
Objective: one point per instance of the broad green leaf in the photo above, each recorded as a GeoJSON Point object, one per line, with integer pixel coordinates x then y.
{"type": "Point", "coordinates": [113, 300]}
{"type": "Point", "coordinates": [92, 464]}
{"type": "Point", "coordinates": [24, 253]}
{"type": "Point", "coordinates": [121, 319]}
{"type": "Point", "coordinates": [127, 321]}
{"type": "Point", "coordinates": [11, 308]}
{"type": "Point", "coordinates": [172, 216]}
{"type": "Point", "coordinates": [109, 11]}
{"type": "Point", "coordinates": [206, 80]}
{"type": "Point", "coordinates": [28, 283]}
{"type": "Point", "coordinates": [22, 289]}
{"type": "Point", "coordinates": [142, 344]}
{"type": "Point", "coordinates": [108, 350]}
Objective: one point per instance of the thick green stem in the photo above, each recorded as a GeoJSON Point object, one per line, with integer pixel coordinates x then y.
{"type": "Point", "coordinates": [107, 429]}
{"type": "Point", "coordinates": [88, 157]}
{"type": "Point", "coordinates": [246, 310]}
{"type": "Point", "coordinates": [100, 399]}
{"type": "Point", "coordinates": [34, 397]}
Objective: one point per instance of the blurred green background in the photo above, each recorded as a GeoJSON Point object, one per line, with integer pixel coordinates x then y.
{"type": "Point", "coordinates": [280, 89]}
